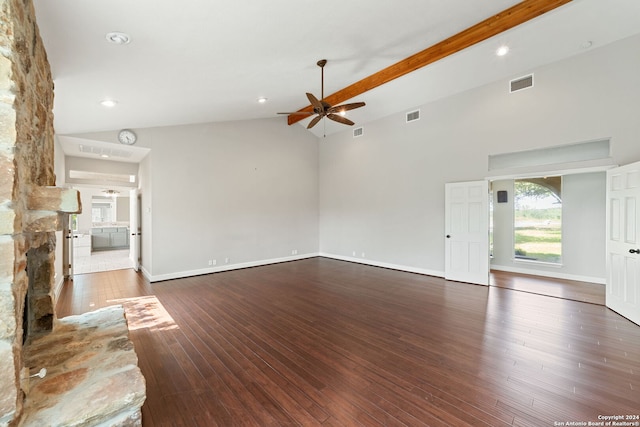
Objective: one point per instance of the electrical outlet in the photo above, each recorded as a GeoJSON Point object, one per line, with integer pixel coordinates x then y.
{"type": "Point", "coordinates": [362, 254]}
{"type": "Point", "coordinates": [354, 253]}
{"type": "Point", "coordinates": [210, 262]}
{"type": "Point", "coordinates": [294, 252]}
{"type": "Point", "coordinates": [226, 260]}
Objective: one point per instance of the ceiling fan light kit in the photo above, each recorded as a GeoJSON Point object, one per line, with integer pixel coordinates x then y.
{"type": "Point", "coordinates": [323, 109]}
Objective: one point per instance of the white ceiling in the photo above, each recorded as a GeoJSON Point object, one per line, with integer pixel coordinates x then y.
{"type": "Point", "coordinates": [204, 61]}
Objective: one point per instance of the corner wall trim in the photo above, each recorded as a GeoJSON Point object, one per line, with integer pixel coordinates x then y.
{"type": "Point", "coordinates": [145, 273]}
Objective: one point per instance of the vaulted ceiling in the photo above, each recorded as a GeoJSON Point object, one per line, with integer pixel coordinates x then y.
{"type": "Point", "coordinates": [205, 61]}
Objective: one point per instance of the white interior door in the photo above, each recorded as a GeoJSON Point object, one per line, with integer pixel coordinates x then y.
{"type": "Point", "coordinates": [623, 241]}
{"type": "Point", "coordinates": [138, 236]}
{"type": "Point", "coordinates": [67, 247]}
{"type": "Point", "coordinates": [467, 232]}
{"type": "Point", "coordinates": [133, 228]}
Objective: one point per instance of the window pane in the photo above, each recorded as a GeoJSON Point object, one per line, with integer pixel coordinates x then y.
{"type": "Point", "coordinates": [538, 219]}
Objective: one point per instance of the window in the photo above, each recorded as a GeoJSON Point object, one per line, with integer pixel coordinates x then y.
{"type": "Point", "coordinates": [538, 219]}
{"type": "Point", "coordinates": [102, 210]}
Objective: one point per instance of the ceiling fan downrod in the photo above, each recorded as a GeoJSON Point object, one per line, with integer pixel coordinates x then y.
{"type": "Point", "coordinates": [321, 64]}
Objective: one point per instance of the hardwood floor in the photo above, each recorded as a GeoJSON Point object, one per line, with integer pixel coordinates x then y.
{"type": "Point", "coordinates": [567, 289]}
{"type": "Point", "coordinates": [325, 342]}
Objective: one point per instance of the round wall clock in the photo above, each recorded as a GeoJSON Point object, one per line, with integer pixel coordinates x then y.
{"type": "Point", "coordinates": [126, 136]}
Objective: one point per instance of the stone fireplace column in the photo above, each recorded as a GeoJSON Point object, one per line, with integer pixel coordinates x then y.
{"type": "Point", "coordinates": [30, 204]}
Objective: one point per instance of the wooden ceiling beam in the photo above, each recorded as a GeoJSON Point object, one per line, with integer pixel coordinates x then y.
{"type": "Point", "coordinates": [503, 21]}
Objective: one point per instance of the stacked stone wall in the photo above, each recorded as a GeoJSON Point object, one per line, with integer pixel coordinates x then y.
{"type": "Point", "coordinates": [26, 162]}
{"type": "Point", "coordinates": [31, 208]}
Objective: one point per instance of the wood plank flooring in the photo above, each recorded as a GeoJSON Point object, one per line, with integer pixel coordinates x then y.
{"type": "Point", "coordinates": [332, 343]}
{"type": "Point", "coordinates": [593, 293]}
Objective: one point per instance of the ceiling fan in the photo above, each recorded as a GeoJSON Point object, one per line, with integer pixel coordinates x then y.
{"type": "Point", "coordinates": [324, 109]}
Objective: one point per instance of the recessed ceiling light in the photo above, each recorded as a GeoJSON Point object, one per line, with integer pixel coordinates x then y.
{"type": "Point", "coordinates": [118, 38]}
{"type": "Point", "coordinates": [502, 50]}
{"type": "Point", "coordinates": [587, 44]}
{"type": "Point", "coordinates": [108, 103]}
{"type": "Point", "coordinates": [262, 100]}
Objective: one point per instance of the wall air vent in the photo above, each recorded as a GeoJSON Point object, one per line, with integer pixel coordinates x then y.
{"type": "Point", "coordinates": [521, 83]}
{"type": "Point", "coordinates": [358, 132]}
{"type": "Point", "coordinates": [413, 116]}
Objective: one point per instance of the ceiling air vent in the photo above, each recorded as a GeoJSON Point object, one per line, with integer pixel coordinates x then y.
{"type": "Point", "coordinates": [413, 116]}
{"type": "Point", "coordinates": [358, 132]}
{"type": "Point", "coordinates": [521, 83]}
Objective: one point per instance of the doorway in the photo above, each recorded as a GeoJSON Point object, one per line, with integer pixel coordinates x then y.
{"type": "Point", "coordinates": [101, 233]}
{"type": "Point", "coordinates": [563, 238]}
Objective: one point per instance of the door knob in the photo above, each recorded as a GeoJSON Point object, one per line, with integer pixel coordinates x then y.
{"type": "Point", "coordinates": [634, 251]}
{"type": "Point", "coordinates": [448, 236]}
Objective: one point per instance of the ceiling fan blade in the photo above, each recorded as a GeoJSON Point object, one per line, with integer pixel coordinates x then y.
{"type": "Point", "coordinates": [322, 108]}
{"type": "Point", "coordinates": [314, 122]}
{"type": "Point", "coordinates": [345, 107]}
{"type": "Point", "coordinates": [338, 118]}
{"type": "Point", "coordinates": [317, 105]}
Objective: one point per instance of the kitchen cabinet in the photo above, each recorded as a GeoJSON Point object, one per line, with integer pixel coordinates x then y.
{"type": "Point", "coordinates": [105, 238]}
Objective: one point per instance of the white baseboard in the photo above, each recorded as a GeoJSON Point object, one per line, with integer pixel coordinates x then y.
{"type": "Point", "coordinates": [221, 268]}
{"type": "Point", "coordinates": [409, 269]}
{"type": "Point", "coordinates": [145, 273]}
{"type": "Point", "coordinates": [552, 274]}
{"type": "Point", "coordinates": [399, 267]}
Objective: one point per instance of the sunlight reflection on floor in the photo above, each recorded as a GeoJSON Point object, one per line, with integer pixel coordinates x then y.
{"type": "Point", "coordinates": [146, 312]}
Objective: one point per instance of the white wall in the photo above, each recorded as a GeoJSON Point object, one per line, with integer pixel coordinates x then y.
{"type": "Point", "coordinates": [243, 191]}
{"type": "Point", "coordinates": [382, 194]}
{"type": "Point", "coordinates": [253, 191]}
{"type": "Point", "coordinates": [583, 230]}
{"type": "Point", "coordinates": [122, 208]}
